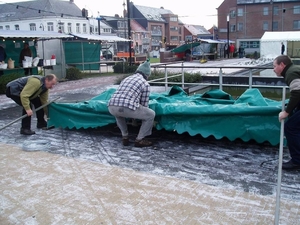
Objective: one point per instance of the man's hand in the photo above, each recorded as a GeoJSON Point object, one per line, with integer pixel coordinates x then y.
{"type": "Point", "coordinates": [29, 112]}
{"type": "Point", "coordinates": [282, 115]}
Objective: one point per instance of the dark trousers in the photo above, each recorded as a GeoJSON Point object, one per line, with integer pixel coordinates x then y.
{"type": "Point", "coordinates": [26, 122]}
{"type": "Point", "coordinates": [28, 71]}
{"type": "Point", "coordinates": [292, 134]}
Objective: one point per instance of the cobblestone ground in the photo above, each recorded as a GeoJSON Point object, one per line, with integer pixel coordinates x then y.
{"type": "Point", "coordinates": [248, 167]}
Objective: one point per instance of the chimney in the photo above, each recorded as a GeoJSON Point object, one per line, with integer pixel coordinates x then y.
{"type": "Point", "coordinates": [71, 1]}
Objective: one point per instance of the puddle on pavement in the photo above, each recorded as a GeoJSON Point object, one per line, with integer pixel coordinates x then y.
{"type": "Point", "coordinates": [36, 145]}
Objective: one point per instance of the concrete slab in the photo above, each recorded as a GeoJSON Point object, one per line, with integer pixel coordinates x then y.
{"type": "Point", "coordinates": [43, 188]}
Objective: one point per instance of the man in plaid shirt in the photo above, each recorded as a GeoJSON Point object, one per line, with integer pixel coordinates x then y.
{"type": "Point", "coordinates": [131, 100]}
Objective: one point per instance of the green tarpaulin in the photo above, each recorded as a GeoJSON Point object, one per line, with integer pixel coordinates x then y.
{"type": "Point", "coordinates": [184, 47]}
{"type": "Point", "coordinates": [216, 113]}
{"type": "Point", "coordinates": [83, 54]}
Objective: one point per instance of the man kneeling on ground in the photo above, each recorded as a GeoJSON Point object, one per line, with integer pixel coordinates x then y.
{"type": "Point", "coordinates": [131, 100]}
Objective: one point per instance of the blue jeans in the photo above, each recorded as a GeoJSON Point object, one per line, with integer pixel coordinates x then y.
{"type": "Point", "coordinates": [292, 134]}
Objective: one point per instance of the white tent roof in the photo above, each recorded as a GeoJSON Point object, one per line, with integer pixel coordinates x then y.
{"type": "Point", "coordinates": [211, 41]}
{"type": "Point", "coordinates": [94, 37]}
{"type": "Point", "coordinates": [281, 36]}
{"type": "Point", "coordinates": [32, 34]}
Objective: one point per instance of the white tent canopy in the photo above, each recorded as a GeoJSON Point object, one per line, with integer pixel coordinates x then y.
{"type": "Point", "coordinates": [270, 43]}
{"type": "Point", "coordinates": [26, 34]}
{"type": "Point", "coordinates": [94, 37]}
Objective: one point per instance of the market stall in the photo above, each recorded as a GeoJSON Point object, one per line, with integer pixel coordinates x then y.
{"type": "Point", "coordinates": [13, 40]}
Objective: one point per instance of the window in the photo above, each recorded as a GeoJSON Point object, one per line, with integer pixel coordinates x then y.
{"type": "Point", "coordinates": [61, 27]}
{"type": "Point", "coordinates": [232, 28]}
{"type": "Point", "coordinates": [240, 12]}
{"type": "Point", "coordinates": [77, 27]}
{"type": "Point", "coordinates": [296, 24]}
{"type": "Point", "coordinates": [240, 26]}
{"type": "Point", "coordinates": [50, 26]}
{"type": "Point", "coordinates": [121, 24]}
{"type": "Point", "coordinates": [17, 27]}
{"type": "Point", "coordinates": [275, 25]}
{"type": "Point", "coordinates": [173, 18]}
{"type": "Point", "coordinates": [296, 9]}
{"type": "Point", "coordinates": [249, 44]}
{"type": "Point", "coordinates": [265, 26]}
{"type": "Point", "coordinates": [265, 11]}
{"type": "Point", "coordinates": [69, 27]}
{"type": "Point", "coordinates": [172, 28]}
{"type": "Point", "coordinates": [84, 30]}
{"type": "Point", "coordinates": [232, 14]}
{"type": "Point", "coordinates": [174, 38]}
{"type": "Point", "coordinates": [7, 27]}
{"type": "Point", "coordinates": [275, 10]}
{"type": "Point", "coordinates": [1, 27]}
{"type": "Point", "coordinates": [32, 26]}
{"type": "Point", "coordinates": [92, 28]}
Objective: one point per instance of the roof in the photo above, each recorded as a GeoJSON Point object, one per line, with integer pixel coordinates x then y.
{"type": "Point", "coordinates": [38, 9]}
{"type": "Point", "coordinates": [26, 34]}
{"type": "Point", "coordinates": [94, 37]}
{"type": "Point", "coordinates": [281, 36]}
{"type": "Point", "coordinates": [153, 14]}
{"type": "Point", "coordinates": [196, 29]}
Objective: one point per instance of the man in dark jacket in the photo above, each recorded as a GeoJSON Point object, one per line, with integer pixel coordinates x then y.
{"type": "Point", "coordinates": [284, 67]}
{"type": "Point", "coordinates": [31, 90]}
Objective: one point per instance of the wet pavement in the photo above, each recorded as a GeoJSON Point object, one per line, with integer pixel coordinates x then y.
{"type": "Point", "coordinates": [233, 165]}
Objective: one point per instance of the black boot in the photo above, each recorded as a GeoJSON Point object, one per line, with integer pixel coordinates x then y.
{"type": "Point", "coordinates": [26, 131]}
{"type": "Point", "coordinates": [42, 125]}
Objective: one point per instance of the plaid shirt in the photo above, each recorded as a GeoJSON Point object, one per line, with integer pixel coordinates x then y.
{"type": "Point", "coordinates": [133, 91]}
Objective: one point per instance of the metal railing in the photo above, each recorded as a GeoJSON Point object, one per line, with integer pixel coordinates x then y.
{"type": "Point", "coordinates": [246, 71]}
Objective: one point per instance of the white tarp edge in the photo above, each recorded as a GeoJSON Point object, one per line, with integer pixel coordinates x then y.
{"type": "Point", "coordinates": [94, 37]}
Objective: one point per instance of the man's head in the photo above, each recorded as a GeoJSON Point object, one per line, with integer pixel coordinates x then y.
{"type": "Point", "coordinates": [50, 81]}
{"type": "Point", "coordinates": [280, 62]}
{"type": "Point", "coordinates": [26, 45]}
{"type": "Point", "coordinates": [144, 68]}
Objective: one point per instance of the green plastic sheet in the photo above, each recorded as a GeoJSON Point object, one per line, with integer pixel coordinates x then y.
{"type": "Point", "coordinates": [214, 113]}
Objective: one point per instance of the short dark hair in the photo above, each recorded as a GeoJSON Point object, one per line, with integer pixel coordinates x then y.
{"type": "Point", "coordinates": [283, 59]}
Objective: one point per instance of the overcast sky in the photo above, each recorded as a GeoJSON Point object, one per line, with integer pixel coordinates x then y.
{"type": "Point", "coordinates": [189, 12]}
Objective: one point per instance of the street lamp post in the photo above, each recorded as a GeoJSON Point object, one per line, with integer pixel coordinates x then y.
{"type": "Point", "coordinates": [129, 32]}
{"type": "Point", "coordinates": [227, 36]}
{"type": "Point", "coordinates": [124, 16]}
{"type": "Point", "coordinates": [99, 18]}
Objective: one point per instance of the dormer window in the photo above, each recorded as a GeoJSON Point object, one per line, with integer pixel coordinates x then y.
{"type": "Point", "coordinates": [149, 16]}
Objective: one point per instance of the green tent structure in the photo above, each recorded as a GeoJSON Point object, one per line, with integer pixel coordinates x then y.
{"type": "Point", "coordinates": [214, 113]}
{"type": "Point", "coordinates": [184, 47]}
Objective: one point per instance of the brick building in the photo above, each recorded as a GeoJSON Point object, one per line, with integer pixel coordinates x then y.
{"type": "Point", "coordinates": [248, 20]}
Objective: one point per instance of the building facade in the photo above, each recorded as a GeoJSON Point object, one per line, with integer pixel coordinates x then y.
{"type": "Point", "coordinates": [40, 15]}
{"type": "Point", "coordinates": [245, 21]}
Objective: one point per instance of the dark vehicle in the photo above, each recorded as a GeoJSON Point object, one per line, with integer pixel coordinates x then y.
{"type": "Point", "coordinates": [106, 54]}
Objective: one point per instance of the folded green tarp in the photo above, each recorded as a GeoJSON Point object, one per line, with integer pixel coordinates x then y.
{"type": "Point", "coordinates": [216, 113]}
